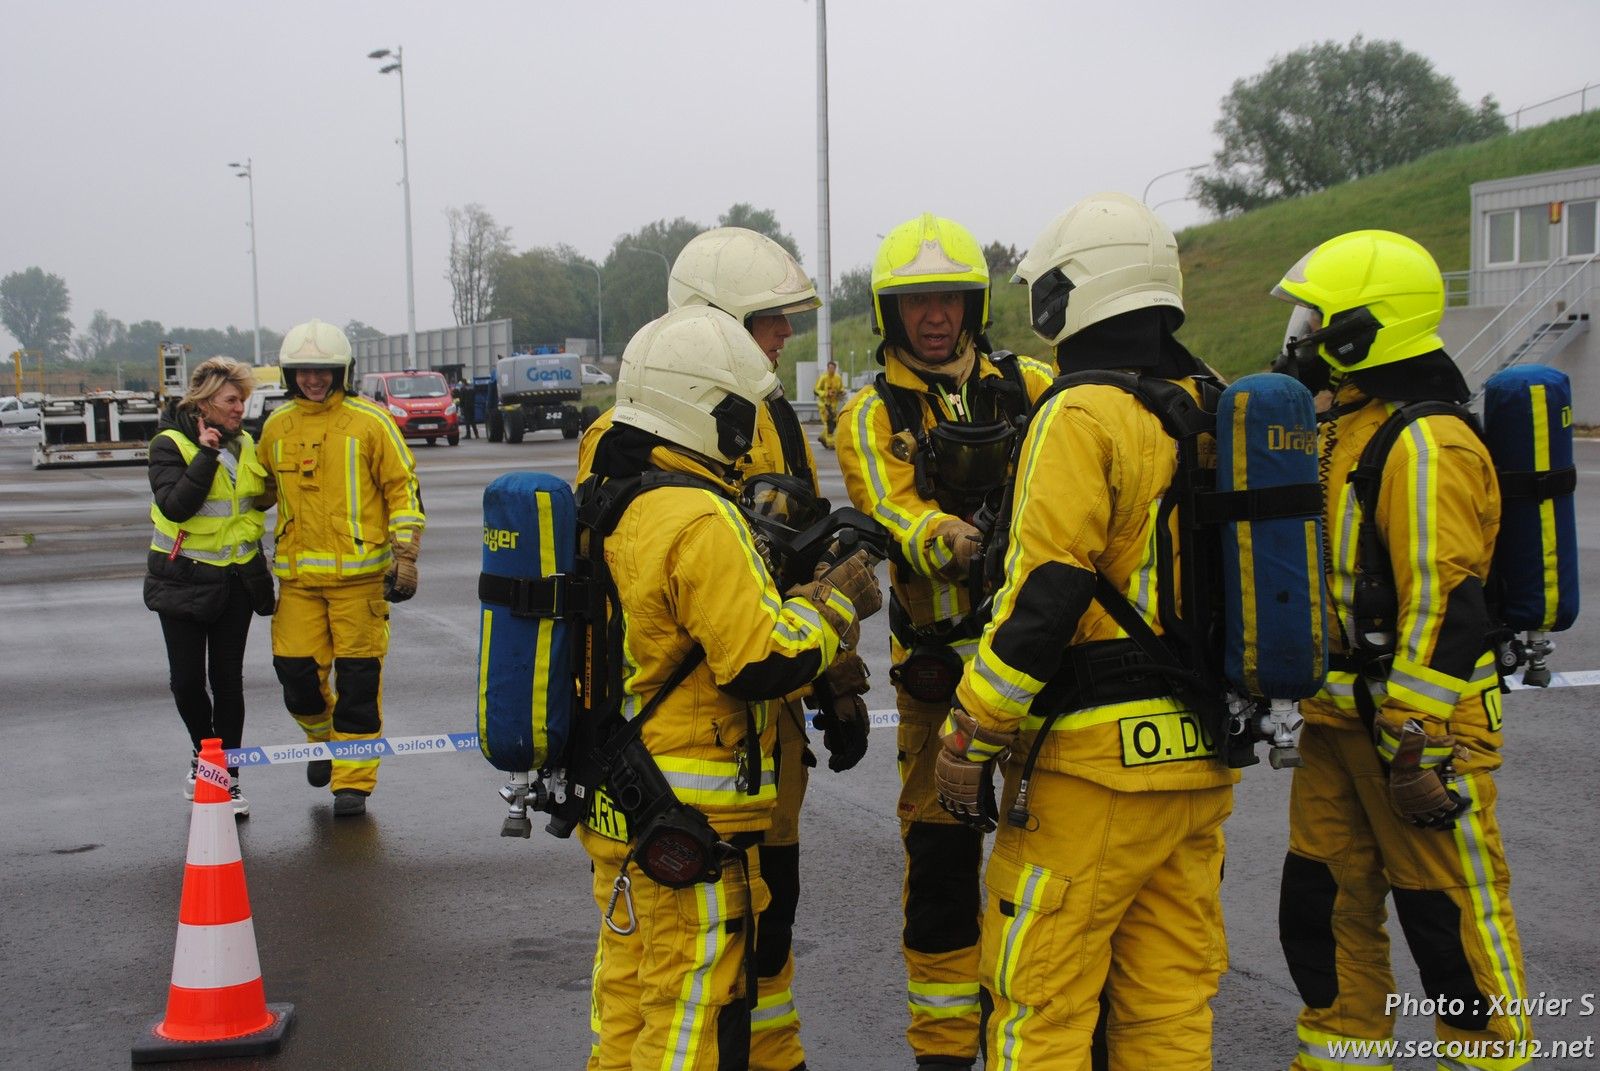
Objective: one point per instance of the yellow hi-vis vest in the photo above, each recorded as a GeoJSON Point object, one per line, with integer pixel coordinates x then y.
{"type": "Point", "coordinates": [227, 528]}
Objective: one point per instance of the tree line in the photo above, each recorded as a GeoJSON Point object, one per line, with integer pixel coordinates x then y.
{"type": "Point", "coordinates": [1321, 115]}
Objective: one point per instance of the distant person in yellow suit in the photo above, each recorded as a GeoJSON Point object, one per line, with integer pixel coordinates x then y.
{"type": "Point", "coordinates": [349, 528]}
{"type": "Point", "coordinates": [829, 390]}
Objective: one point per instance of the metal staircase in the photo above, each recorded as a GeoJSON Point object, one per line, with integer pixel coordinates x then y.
{"type": "Point", "coordinates": [1557, 316]}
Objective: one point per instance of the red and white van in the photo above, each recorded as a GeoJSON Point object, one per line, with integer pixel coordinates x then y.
{"type": "Point", "coordinates": [420, 402]}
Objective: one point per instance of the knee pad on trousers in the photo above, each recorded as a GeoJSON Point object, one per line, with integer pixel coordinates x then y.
{"type": "Point", "coordinates": [780, 868]}
{"type": "Point", "coordinates": [356, 710]}
{"type": "Point", "coordinates": [1432, 925]}
{"type": "Point", "coordinates": [733, 1036]}
{"type": "Point", "coordinates": [302, 690]}
{"type": "Point", "coordinates": [942, 887]}
{"type": "Point", "coordinates": [1305, 928]}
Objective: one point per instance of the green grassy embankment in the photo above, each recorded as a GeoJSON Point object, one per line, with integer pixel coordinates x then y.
{"type": "Point", "coordinates": [1230, 265]}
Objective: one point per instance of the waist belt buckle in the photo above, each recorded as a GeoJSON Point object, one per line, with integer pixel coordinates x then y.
{"type": "Point", "coordinates": [525, 600]}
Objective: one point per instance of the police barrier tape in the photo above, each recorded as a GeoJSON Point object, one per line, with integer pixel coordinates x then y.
{"type": "Point", "coordinates": [392, 746]}
{"type": "Point", "coordinates": [456, 743]}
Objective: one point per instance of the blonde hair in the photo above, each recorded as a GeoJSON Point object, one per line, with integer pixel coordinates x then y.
{"type": "Point", "coordinates": [211, 376]}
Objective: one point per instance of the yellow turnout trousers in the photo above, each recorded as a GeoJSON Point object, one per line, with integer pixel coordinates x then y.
{"type": "Point", "coordinates": [328, 645]}
{"type": "Point", "coordinates": [940, 899]}
{"type": "Point", "coordinates": [1348, 851]}
{"type": "Point", "coordinates": [1106, 890]}
{"type": "Point", "coordinates": [774, 1023]}
{"type": "Point", "coordinates": [670, 995]}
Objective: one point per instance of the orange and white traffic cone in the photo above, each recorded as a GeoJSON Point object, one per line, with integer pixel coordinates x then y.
{"type": "Point", "coordinates": [216, 1005]}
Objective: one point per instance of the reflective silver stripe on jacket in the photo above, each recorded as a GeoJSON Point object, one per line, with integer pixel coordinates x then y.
{"type": "Point", "coordinates": [161, 541]}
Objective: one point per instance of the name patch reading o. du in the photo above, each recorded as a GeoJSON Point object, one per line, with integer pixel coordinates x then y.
{"type": "Point", "coordinates": [1171, 737]}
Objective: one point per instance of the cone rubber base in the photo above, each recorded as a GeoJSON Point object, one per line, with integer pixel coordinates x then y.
{"type": "Point", "coordinates": [152, 1048]}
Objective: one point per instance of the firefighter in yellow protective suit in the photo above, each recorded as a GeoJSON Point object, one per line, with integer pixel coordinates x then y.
{"type": "Point", "coordinates": [830, 394]}
{"type": "Point", "coordinates": [348, 531]}
{"type": "Point", "coordinates": [1396, 795]}
{"type": "Point", "coordinates": [921, 451]}
{"type": "Point", "coordinates": [1107, 877]}
{"type": "Point", "coordinates": [755, 280]}
{"type": "Point", "coordinates": [689, 576]}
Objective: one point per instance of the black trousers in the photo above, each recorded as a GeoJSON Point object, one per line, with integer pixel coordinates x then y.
{"type": "Point", "coordinates": [199, 653]}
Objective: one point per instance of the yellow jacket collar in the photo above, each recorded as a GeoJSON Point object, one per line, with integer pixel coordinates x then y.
{"type": "Point", "coordinates": [903, 370]}
{"type": "Point", "coordinates": [333, 401]}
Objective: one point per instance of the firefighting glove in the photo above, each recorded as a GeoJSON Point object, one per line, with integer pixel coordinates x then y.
{"type": "Point", "coordinates": [835, 613]}
{"type": "Point", "coordinates": [400, 582]}
{"type": "Point", "coordinates": [847, 675]}
{"type": "Point", "coordinates": [855, 579]}
{"type": "Point", "coordinates": [955, 544]}
{"type": "Point", "coordinates": [1417, 773]}
{"type": "Point", "coordinates": [844, 731]}
{"type": "Point", "coordinates": [963, 773]}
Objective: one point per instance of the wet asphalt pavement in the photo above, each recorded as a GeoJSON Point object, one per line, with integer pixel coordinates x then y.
{"type": "Point", "coordinates": [417, 937]}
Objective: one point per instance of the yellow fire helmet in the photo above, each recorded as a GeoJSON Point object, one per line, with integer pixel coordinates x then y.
{"type": "Point", "coordinates": [743, 273]}
{"type": "Point", "coordinates": [1106, 255]}
{"type": "Point", "coordinates": [315, 344]}
{"type": "Point", "coordinates": [694, 377]}
{"type": "Point", "coordinates": [1367, 298]}
{"type": "Point", "coordinates": [929, 254]}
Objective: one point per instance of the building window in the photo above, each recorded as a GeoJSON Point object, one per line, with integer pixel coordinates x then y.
{"type": "Point", "coordinates": [1533, 245]}
{"type": "Point", "coordinates": [1502, 237]}
{"type": "Point", "coordinates": [1581, 229]}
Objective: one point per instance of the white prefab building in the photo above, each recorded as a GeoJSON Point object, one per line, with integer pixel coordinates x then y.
{"type": "Point", "coordinates": [1533, 284]}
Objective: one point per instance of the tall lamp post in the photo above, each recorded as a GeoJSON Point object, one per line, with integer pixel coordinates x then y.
{"type": "Point", "coordinates": [665, 263]}
{"type": "Point", "coordinates": [247, 171]}
{"type": "Point", "coordinates": [824, 240]}
{"type": "Point", "coordinates": [599, 308]}
{"type": "Point", "coordinates": [397, 66]}
{"type": "Point", "coordinates": [1145, 197]}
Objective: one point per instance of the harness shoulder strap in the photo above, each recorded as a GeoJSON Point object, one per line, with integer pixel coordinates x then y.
{"type": "Point", "coordinates": [1367, 477]}
{"type": "Point", "coordinates": [903, 404]}
{"type": "Point", "coordinates": [791, 439]}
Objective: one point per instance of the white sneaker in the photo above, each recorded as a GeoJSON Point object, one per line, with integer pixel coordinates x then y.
{"type": "Point", "coordinates": [188, 781]}
{"type": "Point", "coordinates": [241, 806]}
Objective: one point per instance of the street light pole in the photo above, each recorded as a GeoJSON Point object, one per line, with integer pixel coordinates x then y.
{"type": "Point", "coordinates": [1145, 197]}
{"type": "Point", "coordinates": [398, 67]}
{"type": "Point", "coordinates": [246, 171]}
{"type": "Point", "coordinates": [824, 240]}
{"type": "Point", "coordinates": [665, 263]}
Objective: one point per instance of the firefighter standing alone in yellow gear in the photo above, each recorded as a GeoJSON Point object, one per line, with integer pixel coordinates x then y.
{"type": "Point", "coordinates": [348, 531]}
{"type": "Point", "coordinates": [1396, 794]}
{"type": "Point", "coordinates": [919, 453]}
{"type": "Point", "coordinates": [755, 280]}
{"type": "Point", "coordinates": [689, 577]}
{"type": "Point", "coordinates": [830, 395]}
{"type": "Point", "coordinates": [1112, 879]}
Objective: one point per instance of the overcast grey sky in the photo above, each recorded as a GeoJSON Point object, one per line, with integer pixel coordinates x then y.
{"type": "Point", "coordinates": [574, 122]}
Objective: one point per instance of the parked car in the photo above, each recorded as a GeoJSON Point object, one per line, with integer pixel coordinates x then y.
{"type": "Point", "coordinates": [420, 402]}
{"type": "Point", "coordinates": [593, 376]}
{"type": "Point", "coordinates": [14, 414]}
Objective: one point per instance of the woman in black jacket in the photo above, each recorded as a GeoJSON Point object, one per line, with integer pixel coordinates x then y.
{"type": "Point", "coordinates": [206, 571]}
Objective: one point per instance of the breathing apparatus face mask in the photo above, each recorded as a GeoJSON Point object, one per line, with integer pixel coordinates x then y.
{"type": "Point", "coordinates": [1312, 351]}
{"type": "Point", "coordinates": [783, 500]}
{"type": "Point", "coordinates": [972, 458]}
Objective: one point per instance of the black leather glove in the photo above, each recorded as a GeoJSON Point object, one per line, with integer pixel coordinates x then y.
{"type": "Point", "coordinates": [844, 731]}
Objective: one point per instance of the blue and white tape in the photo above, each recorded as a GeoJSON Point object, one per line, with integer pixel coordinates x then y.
{"type": "Point", "coordinates": [382, 747]}
{"type": "Point", "coordinates": [456, 743]}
